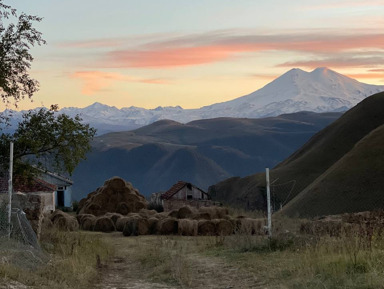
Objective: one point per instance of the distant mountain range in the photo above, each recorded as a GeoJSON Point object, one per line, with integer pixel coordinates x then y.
{"type": "Point", "coordinates": [202, 152]}
{"type": "Point", "coordinates": [339, 170]}
{"type": "Point", "coordinates": [321, 90]}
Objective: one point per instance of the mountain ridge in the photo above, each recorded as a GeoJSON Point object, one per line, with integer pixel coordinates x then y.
{"type": "Point", "coordinates": [321, 90]}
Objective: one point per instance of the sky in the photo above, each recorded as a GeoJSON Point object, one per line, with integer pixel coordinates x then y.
{"type": "Point", "coordinates": [152, 53]}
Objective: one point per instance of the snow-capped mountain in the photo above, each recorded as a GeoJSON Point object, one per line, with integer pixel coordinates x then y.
{"type": "Point", "coordinates": [321, 90]}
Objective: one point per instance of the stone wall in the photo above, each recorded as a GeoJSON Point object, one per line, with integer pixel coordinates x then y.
{"type": "Point", "coordinates": [33, 204]}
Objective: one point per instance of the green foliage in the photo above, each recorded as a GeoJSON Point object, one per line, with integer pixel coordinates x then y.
{"type": "Point", "coordinates": [44, 138]}
{"type": "Point", "coordinates": [17, 35]}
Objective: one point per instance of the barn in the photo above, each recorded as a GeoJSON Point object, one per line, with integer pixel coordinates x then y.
{"type": "Point", "coordinates": [184, 193]}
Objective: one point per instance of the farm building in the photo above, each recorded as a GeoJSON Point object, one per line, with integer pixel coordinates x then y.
{"type": "Point", "coordinates": [29, 188]}
{"type": "Point", "coordinates": [184, 193]}
{"type": "Point", "coordinates": [63, 192]}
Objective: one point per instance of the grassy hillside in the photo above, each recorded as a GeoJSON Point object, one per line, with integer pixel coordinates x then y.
{"type": "Point", "coordinates": [353, 184]}
{"type": "Point", "coordinates": [309, 162]}
{"type": "Point", "coordinates": [203, 152]}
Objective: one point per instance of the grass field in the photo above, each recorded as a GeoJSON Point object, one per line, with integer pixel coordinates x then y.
{"type": "Point", "coordinates": [330, 258]}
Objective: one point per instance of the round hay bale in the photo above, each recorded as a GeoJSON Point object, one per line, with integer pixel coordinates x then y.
{"type": "Point", "coordinates": [161, 215]}
{"type": "Point", "coordinates": [147, 213]}
{"type": "Point", "coordinates": [66, 223]}
{"type": "Point", "coordinates": [173, 214]}
{"type": "Point", "coordinates": [215, 212]}
{"type": "Point", "coordinates": [136, 225]}
{"type": "Point", "coordinates": [187, 227]}
{"type": "Point", "coordinates": [206, 228]}
{"type": "Point", "coordinates": [114, 217]}
{"type": "Point", "coordinates": [120, 223]}
{"type": "Point", "coordinates": [83, 216]}
{"type": "Point", "coordinates": [223, 227]}
{"type": "Point", "coordinates": [57, 214]}
{"type": "Point", "coordinates": [115, 183]}
{"type": "Point", "coordinates": [201, 216]}
{"type": "Point", "coordinates": [152, 225]}
{"type": "Point", "coordinates": [104, 224]}
{"type": "Point", "coordinates": [167, 226]}
{"type": "Point", "coordinates": [185, 212]}
{"type": "Point", "coordinates": [123, 208]}
{"type": "Point", "coordinates": [88, 223]}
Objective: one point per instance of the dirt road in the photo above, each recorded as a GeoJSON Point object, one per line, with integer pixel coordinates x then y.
{"type": "Point", "coordinates": [158, 262]}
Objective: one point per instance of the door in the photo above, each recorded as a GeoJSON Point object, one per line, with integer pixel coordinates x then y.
{"type": "Point", "coordinates": [60, 198]}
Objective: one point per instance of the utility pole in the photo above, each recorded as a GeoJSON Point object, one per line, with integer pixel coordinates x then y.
{"type": "Point", "coordinates": [269, 204]}
{"type": "Point", "coordinates": [10, 189]}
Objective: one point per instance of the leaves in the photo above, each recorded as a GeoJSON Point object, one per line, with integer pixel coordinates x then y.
{"type": "Point", "coordinates": [16, 39]}
{"type": "Point", "coordinates": [48, 140]}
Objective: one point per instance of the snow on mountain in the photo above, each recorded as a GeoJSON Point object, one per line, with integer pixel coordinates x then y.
{"type": "Point", "coordinates": [321, 90]}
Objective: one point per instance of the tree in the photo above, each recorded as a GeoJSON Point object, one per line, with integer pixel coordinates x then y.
{"type": "Point", "coordinates": [17, 35]}
{"type": "Point", "coordinates": [46, 139]}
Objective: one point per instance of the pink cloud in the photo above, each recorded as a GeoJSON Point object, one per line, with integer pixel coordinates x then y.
{"type": "Point", "coordinates": [206, 48]}
{"type": "Point", "coordinates": [94, 81]}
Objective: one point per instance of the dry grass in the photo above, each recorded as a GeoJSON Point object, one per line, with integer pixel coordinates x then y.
{"type": "Point", "coordinates": [74, 261]}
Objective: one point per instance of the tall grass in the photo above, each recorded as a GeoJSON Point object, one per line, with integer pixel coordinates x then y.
{"type": "Point", "coordinates": [73, 263]}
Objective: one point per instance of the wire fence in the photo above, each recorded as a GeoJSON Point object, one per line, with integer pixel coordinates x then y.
{"type": "Point", "coordinates": [19, 245]}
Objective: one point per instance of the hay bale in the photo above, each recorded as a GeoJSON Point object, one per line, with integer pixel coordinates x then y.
{"type": "Point", "coordinates": [81, 217]}
{"type": "Point", "coordinates": [114, 217]}
{"type": "Point", "coordinates": [173, 214]}
{"type": "Point", "coordinates": [147, 213]}
{"type": "Point", "coordinates": [248, 226]}
{"type": "Point", "coordinates": [223, 227]}
{"type": "Point", "coordinates": [206, 228]}
{"type": "Point", "coordinates": [104, 224]}
{"type": "Point", "coordinates": [185, 212]}
{"type": "Point", "coordinates": [57, 214]}
{"type": "Point", "coordinates": [65, 222]}
{"type": "Point", "coordinates": [167, 226]}
{"type": "Point", "coordinates": [201, 216]}
{"type": "Point", "coordinates": [215, 212]}
{"type": "Point", "coordinates": [120, 223]}
{"type": "Point", "coordinates": [88, 223]}
{"type": "Point", "coordinates": [161, 215]}
{"type": "Point", "coordinates": [152, 225]}
{"type": "Point", "coordinates": [135, 226]}
{"type": "Point", "coordinates": [187, 227]}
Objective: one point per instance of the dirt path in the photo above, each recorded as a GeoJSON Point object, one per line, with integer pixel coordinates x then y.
{"type": "Point", "coordinates": [195, 270]}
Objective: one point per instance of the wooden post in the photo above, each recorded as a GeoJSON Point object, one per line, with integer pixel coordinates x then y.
{"type": "Point", "coordinates": [269, 203]}
{"type": "Point", "coordinates": [10, 189]}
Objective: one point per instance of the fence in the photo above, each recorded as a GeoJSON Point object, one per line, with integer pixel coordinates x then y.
{"type": "Point", "coordinates": [18, 242]}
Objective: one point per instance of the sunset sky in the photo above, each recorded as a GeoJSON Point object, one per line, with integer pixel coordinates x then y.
{"type": "Point", "coordinates": [151, 53]}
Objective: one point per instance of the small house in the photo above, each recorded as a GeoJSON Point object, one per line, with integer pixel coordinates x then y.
{"type": "Point", "coordinates": [63, 192]}
{"type": "Point", "coordinates": [38, 187]}
{"type": "Point", "coordinates": [184, 193]}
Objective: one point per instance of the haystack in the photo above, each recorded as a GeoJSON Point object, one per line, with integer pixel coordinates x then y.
{"type": "Point", "coordinates": [104, 224]}
{"type": "Point", "coordinates": [167, 226]}
{"type": "Point", "coordinates": [115, 196]}
{"type": "Point", "coordinates": [187, 227]}
{"type": "Point", "coordinates": [206, 228]}
{"type": "Point", "coordinates": [147, 213]}
{"type": "Point", "coordinates": [223, 227]}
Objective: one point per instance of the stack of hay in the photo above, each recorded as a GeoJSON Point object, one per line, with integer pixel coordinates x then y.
{"type": "Point", "coordinates": [115, 196]}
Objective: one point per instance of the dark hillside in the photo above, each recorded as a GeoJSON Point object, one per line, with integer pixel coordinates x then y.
{"type": "Point", "coordinates": [313, 158]}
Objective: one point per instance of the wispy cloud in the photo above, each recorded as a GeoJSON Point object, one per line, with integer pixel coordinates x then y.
{"type": "Point", "coordinates": [95, 81]}
{"type": "Point", "coordinates": [169, 51]}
